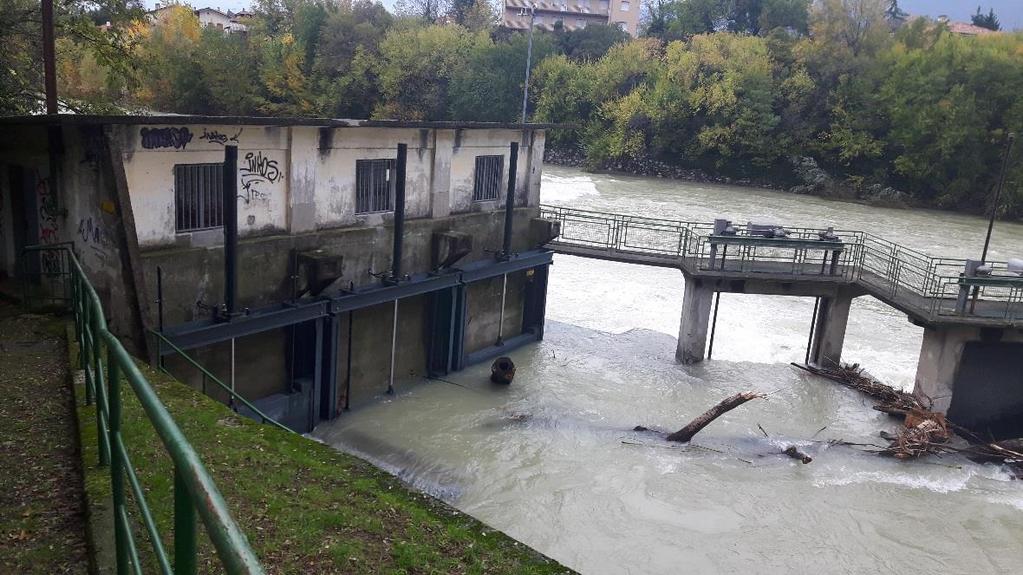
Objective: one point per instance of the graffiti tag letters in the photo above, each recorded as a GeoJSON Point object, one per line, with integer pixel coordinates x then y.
{"type": "Point", "coordinates": [156, 138]}
{"type": "Point", "coordinates": [218, 137]}
{"type": "Point", "coordinates": [256, 171]}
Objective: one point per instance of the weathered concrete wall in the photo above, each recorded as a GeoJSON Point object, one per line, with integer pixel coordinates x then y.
{"type": "Point", "coordinates": [151, 152]}
{"type": "Point", "coordinates": [192, 275]}
{"type": "Point", "coordinates": [76, 204]}
{"type": "Point", "coordinates": [483, 299]}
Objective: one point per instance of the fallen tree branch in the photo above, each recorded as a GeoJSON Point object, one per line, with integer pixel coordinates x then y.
{"type": "Point", "coordinates": [686, 433]}
{"type": "Point", "coordinates": [794, 452]}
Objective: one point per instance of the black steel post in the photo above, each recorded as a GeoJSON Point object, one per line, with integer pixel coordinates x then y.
{"type": "Point", "coordinates": [399, 210]}
{"type": "Point", "coordinates": [49, 58]}
{"type": "Point", "coordinates": [509, 200]}
{"type": "Point", "coordinates": [813, 329]}
{"type": "Point", "coordinates": [714, 325]}
{"type": "Point", "coordinates": [230, 200]}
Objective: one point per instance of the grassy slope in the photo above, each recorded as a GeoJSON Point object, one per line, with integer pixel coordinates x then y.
{"type": "Point", "coordinates": [305, 507]}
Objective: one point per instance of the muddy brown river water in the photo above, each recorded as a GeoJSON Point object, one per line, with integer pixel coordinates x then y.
{"type": "Point", "coordinates": [550, 459]}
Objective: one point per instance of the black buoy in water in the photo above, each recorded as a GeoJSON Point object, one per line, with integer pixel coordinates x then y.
{"type": "Point", "coordinates": [502, 371]}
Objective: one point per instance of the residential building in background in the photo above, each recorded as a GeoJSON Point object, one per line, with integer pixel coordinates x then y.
{"type": "Point", "coordinates": [227, 21]}
{"type": "Point", "coordinates": [573, 14]}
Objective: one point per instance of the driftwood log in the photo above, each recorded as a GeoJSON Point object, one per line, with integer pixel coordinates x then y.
{"type": "Point", "coordinates": [686, 433]}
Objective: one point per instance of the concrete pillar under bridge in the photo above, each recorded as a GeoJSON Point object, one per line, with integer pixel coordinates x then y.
{"type": "Point", "coordinates": [975, 376]}
{"type": "Point", "coordinates": [828, 328]}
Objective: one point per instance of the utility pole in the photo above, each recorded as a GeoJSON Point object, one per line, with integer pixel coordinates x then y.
{"type": "Point", "coordinates": [49, 65]}
{"type": "Point", "coordinates": [1010, 140]}
{"type": "Point", "coordinates": [529, 59]}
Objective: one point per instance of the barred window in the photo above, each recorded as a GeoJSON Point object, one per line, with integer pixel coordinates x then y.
{"type": "Point", "coordinates": [487, 181]}
{"type": "Point", "coordinates": [198, 196]}
{"type": "Point", "coordinates": [374, 185]}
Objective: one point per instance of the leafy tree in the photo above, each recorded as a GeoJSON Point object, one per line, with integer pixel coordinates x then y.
{"type": "Point", "coordinates": [489, 86]}
{"type": "Point", "coordinates": [21, 68]}
{"type": "Point", "coordinates": [416, 67]}
{"type": "Point", "coordinates": [348, 50]}
{"type": "Point", "coordinates": [591, 42]}
{"type": "Point", "coordinates": [989, 20]}
{"type": "Point", "coordinates": [426, 10]}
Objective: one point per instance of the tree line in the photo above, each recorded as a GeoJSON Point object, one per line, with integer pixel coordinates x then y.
{"type": "Point", "coordinates": [755, 89]}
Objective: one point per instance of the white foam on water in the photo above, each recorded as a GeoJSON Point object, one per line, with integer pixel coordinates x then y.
{"type": "Point", "coordinates": [949, 483]}
{"type": "Point", "coordinates": [566, 188]}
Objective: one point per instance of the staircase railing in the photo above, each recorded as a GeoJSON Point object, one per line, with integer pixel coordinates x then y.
{"type": "Point", "coordinates": [195, 493]}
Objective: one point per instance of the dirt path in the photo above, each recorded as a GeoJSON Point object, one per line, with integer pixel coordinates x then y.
{"type": "Point", "coordinates": [42, 529]}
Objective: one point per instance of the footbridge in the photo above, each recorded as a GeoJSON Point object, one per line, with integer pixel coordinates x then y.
{"type": "Point", "coordinates": [972, 314]}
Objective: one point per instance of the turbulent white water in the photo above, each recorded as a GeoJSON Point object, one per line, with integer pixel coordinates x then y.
{"type": "Point", "coordinates": [550, 460]}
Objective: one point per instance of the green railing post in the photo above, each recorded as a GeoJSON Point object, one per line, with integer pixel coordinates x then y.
{"type": "Point", "coordinates": [102, 407]}
{"type": "Point", "coordinates": [185, 547]}
{"type": "Point", "coordinates": [116, 463]}
{"type": "Point", "coordinates": [85, 350]}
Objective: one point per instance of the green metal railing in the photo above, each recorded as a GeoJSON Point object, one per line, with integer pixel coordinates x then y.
{"type": "Point", "coordinates": [207, 376]}
{"type": "Point", "coordinates": [195, 494]}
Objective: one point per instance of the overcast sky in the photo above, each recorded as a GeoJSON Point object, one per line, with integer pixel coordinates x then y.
{"type": "Point", "coordinates": [1010, 12]}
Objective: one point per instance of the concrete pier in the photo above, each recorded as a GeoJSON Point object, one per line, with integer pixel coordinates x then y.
{"type": "Point", "coordinates": [829, 329]}
{"type": "Point", "coordinates": [692, 335]}
{"type": "Point", "coordinates": [975, 375]}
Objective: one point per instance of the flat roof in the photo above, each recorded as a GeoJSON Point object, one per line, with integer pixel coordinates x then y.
{"type": "Point", "coordinates": [88, 119]}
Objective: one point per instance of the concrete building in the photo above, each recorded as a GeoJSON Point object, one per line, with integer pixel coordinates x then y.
{"type": "Point", "coordinates": [573, 14]}
{"type": "Point", "coordinates": [354, 239]}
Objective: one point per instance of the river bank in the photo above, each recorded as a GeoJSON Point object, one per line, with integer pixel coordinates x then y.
{"type": "Point", "coordinates": [807, 178]}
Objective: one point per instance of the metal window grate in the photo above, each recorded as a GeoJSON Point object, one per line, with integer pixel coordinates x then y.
{"type": "Point", "coordinates": [487, 181]}
{"type": "Point", "coordinates": [198, 196]}
{"type": "Point", "coordinates": [374, 185]}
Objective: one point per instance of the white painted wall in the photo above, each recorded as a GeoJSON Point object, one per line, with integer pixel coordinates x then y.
{"type": "Point", "coordinates": [149, 169]}
{"type": "Point", "coordinates": [312, 182]}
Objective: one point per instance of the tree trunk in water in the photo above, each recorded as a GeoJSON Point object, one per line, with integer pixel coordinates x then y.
{"type": "Point", "coordinates": [686, 433]}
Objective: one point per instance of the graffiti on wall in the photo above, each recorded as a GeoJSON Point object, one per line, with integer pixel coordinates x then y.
{"type": "Point", "coordinates": [257, 171]}
{"type": "Point", "coordinates": [218, 137]}
{"type": "Point", "coordinates": [92, 233]}
{"type": "Point", "coordinates": [157, 138]}
{"type": "Point", "coordinates": [48, 226]}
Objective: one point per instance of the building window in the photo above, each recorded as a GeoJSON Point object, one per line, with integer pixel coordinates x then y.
{"type": "Point", "coordinates": [624, 6]}
{"type": "Point", "coordinates": [198, 196]}
{"type": "Point", "coordinates": [374, 185]}
{"type": "Point", "coordinates": [580, 23]}
{"type": "Point", "coordinates": [487, 179]}
{"type": "Point", "coordinates": [620, 25]}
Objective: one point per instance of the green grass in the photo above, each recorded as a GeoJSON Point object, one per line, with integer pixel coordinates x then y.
{"type": "Point", "coordinates": [305, 507]}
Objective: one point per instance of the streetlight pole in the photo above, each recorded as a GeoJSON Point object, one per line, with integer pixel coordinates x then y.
{"type": "Point", "coordinates": [998, 194]}
{"type": "Point", "coordinates": [529, 61]}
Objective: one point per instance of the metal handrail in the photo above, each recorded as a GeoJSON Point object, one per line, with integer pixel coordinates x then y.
{"type": "Point", "coordinates": [208, 375]}
{"type": "Point", "coordinates": [194, 488]}
{"type": "Point", "coordinates": [887, 269]}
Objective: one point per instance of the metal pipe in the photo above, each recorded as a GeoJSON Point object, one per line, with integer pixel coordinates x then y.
{"type": "Point", "coordinates": [348, 370]}
{"type": "Point", "coordinates": [230, 192]}
{"type": "Point", "coordinates": [231, 403]}
{"type": "Point", "coordinates": [509, 200]}
{"type": "Point", "coordinates": [49, 58]}
{"type": "Point", "coordinates": [500, 323]}
{"type": "Point", "coordinates": [159, 298]}
{"type": "Point", "coordinates": [529, 62]}
{"type": "Point", "coordinates": [394, 347]}
{"type": "Point", "coordinates": [714, 324]}
{"type": "Point", "coordinates": [813, 328]}
{"type": "Point", "coordinates": [399, 210]}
